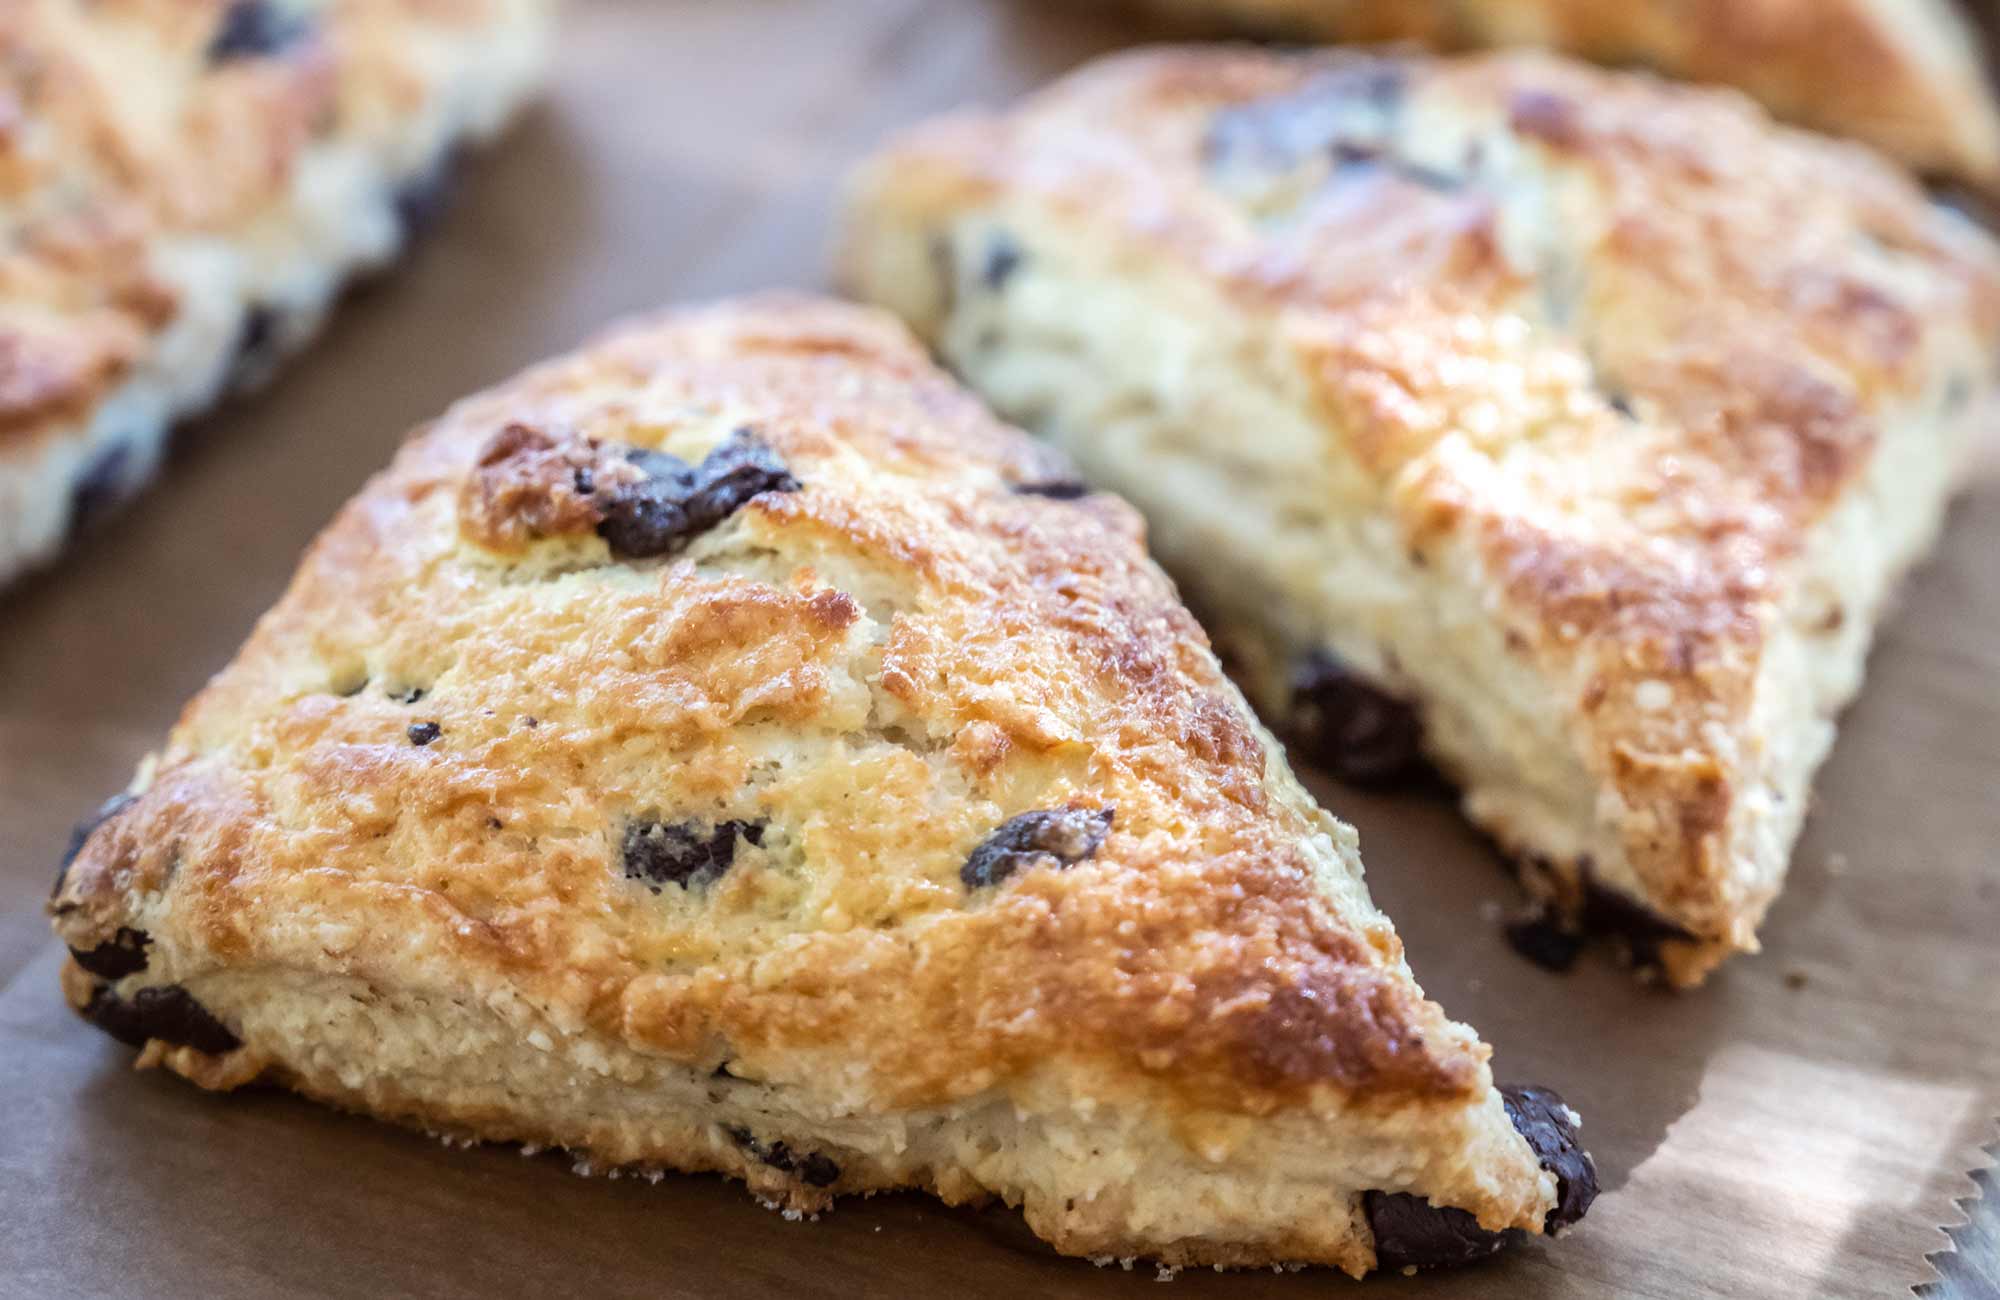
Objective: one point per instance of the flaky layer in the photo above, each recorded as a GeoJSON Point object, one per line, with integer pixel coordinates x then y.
{"type": "Point", "coordinates": [736, 694]}
{"type": "Point", "coordinates": [1592, 416]}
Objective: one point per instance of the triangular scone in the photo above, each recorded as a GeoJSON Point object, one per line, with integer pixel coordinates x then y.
{"type": "Point", "coordinates": [1902, 75]}
{"type": "Point", "coordinates": [186, 185]}
{"type": "Point", "coordinates": [1590, 416]}
{"type": "Point", "coordinates": [729, 748]}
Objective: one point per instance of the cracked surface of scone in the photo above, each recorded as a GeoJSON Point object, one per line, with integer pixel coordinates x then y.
{"type": "Point", "coordinates": [185, 185]}
{"type": "Point", "coordinates": [1903, 75]}
{"type": "Point", "coordinates": [729, 748]}
{"type": "Point", "coordinates": [1574, 421]}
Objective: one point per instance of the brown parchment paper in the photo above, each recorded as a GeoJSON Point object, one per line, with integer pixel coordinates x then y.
{"type": "Point", "coordinates": [1801, 1127]}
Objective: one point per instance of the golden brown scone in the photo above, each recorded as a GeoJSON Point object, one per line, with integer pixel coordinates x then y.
{"type": "Point", "coordinates": [1575, 421]}
{"type": "Point", "coordinates": [185, 185]}
{"type": "Point", "coordinates": [729, 748]}
{"type": "Point", "coordinates": [1902, 75]}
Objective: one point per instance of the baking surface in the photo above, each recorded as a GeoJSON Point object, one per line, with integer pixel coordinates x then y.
{"type": "Point", "coordinates": [1799, 1127]}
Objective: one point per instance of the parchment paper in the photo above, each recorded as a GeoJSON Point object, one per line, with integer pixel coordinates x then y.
{"type": "Point", "coordinates": [1800, 1127]}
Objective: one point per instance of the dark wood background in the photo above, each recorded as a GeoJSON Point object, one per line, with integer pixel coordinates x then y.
{"type": "Point", "coordinates": [692, 149]}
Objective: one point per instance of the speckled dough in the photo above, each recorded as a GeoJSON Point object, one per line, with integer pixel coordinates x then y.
{"type": "Point", "coordinates": [888, 823]}
{"type": "Point", "coordinates": [185, 185]}
{"type": "Point", "coordinates": [1591, 416]}
{"type": "Point", "coordinates": [1902, 75]}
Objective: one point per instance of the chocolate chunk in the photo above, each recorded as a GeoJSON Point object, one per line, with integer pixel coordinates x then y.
{"type": "Point", "coordinates": [422, 201]}
{"type": "Point", "coordinates": [121, 955]}
{"type": "Point", "coordinates": [165, 1012]}
{"type": "Point", "coordinates": [1543, 939]}
{"type": "Point", "coordinates": [683, 853]}
{"type": "Point", "coordinates": [1546, 116]}
{"type": "Point", "coordinates": [1355, 730]}
{"type": "Point", "coordinates": [257, 29]}
{"type": "Point", "coordinates": [1351, 160]}
{"type": "Point", "coordinates": [1410, 1232]}
{"type": "Point", "coordinates": [1540, 1116]}
{"type": "Point", "coordinates": [1640, 929]}
{"type": "Point", "coordinates": [105, 811]}
{"type": "Point", "coordinates": [1277, 133]}
{"type": "Point", "coordinates": [676, 501]}
{"type": "Point", "coordinates": [1061, 839]}
{"type": "Point", "coordinates": [257, 345]}
{"type": "Point", "coordinates": [1003, 258]}
{"type": "Point", "coordinates": [1055, 489]}
{"type": "Point", "coordinates": [423, 733]}
{"type": "Point", "coordinates": [814, 1168]}
{"type": "Point", "coordinates": [105, 482]}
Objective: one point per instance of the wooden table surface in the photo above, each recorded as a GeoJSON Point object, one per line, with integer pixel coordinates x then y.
{"type": "Point", "coordinates": [691, 149]}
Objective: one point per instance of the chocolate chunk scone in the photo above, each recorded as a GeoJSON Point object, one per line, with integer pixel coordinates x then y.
{"type": "Point", "coordinates": [715, 751]}
{"type": "Point", "coordinates": [1564, 426]}
{"type": "Point", "coordinates": [1902, 75]}
{"type": "Point", "coordinates": [185, 185]}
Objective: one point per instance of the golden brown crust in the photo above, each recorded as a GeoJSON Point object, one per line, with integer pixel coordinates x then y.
{"type": "Point", "coordinates": [1902, 75]}
{"type": "Point", "coordinates": [1626, 346]}
{"type": "Point", "coordinates": [1031, 658]}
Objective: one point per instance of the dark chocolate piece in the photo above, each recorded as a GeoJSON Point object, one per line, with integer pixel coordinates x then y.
{"type": "Point", "coordinates": [124, 953]}
{"type": "Point", "coordinates": [1608, 912]}
{"type": "Point", "coordinates": [1355, 730]}
{"type": "Point", "coordinates": [423, 200]}
{"type": "Point", "coordinates": [683, 853]}
{"type": "Point", "coordinates": [1543, 939]}
{"type": "Point", "coordinates": [1055, 489]}
{"type": "Point", "coordinates": [813, 1168]}
{"type": "Point", "coordinates": [1003, 258]}
{"type": "Point", "coordinates": [1410, 1232]}
{"type": "Point", "coordinates": [166, 1012]}
{"type": "Point", "coordinates": [1552, 937]}
{"type": "Point", "coordinates": [1279, 132]}
{"type": "Point", "coordinates": [81, 832]}
{"type": "Point", "coordinates": [1061, 838]}
{"type": "Point", "coordinates": [104, 483]}
{"type": "Point", "coordinates": [1352, 161]}
{"type": "Point", "coordinates": [677, 501]}
{"type": "Point", "coordinates": [254, 29]}
{"type": "Point", "coordinates": [257, 346]}
{"type": "Point", "coordinates": [423, 733]}
{"type": "Point", "coordinates": [1540, 1116]}
{"type": "Point", "coordinates": [1546, 116]}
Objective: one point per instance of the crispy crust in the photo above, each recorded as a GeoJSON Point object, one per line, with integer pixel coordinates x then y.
{"type": "Point", "coordinates": [1902, 75]}
{"type": "Point", "coordinates": [184, 184]}
{"type": "Point", "coordinates": [1620, 364]}
{"type": "Point", "coordinates": [876, 669]}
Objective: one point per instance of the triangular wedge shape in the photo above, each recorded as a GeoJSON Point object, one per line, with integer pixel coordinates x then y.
{"type": "Point", "coordinates": [1567, 424]}
{"type": "Point", "coordinates": [729, 748]}
{"type": "Point", "coordinates": [1902, 75]}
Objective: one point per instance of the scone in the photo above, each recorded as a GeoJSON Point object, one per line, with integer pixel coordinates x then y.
{"type": "Point", "coordinates": [184, 186]}
{"type": "Point", "coordinates": [1903, 75]}
{"type": "Point", "coordinates": [1564, 425]}
{"type": "Point", "coordinates": [729, 748]}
